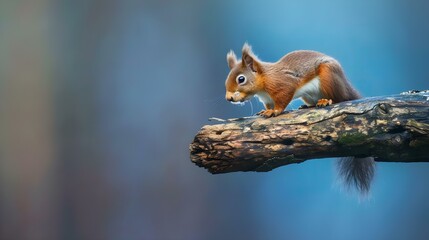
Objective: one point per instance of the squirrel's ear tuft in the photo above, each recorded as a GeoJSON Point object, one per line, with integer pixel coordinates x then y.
{"type": "Point", "coordinates": [249, 59]}
{"type": "Point", "coordinates": [231, 59]}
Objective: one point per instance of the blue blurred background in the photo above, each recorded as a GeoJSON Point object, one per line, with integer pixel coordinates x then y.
{"type": "Point", "coordinates": [99, 101]}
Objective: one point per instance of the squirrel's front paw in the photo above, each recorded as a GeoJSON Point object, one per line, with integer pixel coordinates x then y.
{"type": "Point", "coordinates": [323, 102]}
{"type": "Point", "coordinates": [268, 113]}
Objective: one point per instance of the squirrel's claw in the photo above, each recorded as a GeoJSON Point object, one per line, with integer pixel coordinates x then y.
{"type": "Point", "coordinates": [268, 113]}
{"type": "Point", "coordinates": [323, 102]}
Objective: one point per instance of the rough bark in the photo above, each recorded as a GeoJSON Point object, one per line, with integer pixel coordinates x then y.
{"type": "Point", "coordinates": [390, 128]}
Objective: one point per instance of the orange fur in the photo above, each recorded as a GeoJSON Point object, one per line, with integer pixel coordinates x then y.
{"type": "Point", "coordinates": [334, 84]}
{"type": "Point", "coordinates": [327, 82]}
{"type": "Point", "coordinates": [281, 80]}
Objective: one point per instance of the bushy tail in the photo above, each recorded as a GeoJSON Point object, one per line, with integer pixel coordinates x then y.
{"type": "Point", "coordinates": [357, 172]}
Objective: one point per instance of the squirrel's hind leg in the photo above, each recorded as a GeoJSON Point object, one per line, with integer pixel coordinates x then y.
{"type": "Point", "coordinates": [323, 102]}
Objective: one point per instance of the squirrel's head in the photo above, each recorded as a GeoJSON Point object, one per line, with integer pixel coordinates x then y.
{"type": "Point", "coordinates": [242, 81]}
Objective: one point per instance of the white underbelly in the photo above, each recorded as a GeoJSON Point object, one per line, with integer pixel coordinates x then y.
{"type": "Point", "coordinates": [310, 91]}
{"type": "Point", "coordinates": [265, 98]}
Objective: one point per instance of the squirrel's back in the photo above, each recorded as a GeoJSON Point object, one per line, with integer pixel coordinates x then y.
{"type": "Point", "coordinates": [304, 62]}
{"type": "Point", "coordinates": [307, 65]}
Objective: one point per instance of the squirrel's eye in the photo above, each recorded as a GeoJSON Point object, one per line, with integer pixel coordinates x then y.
{"type": "Point", "coordinates": [241, 79]}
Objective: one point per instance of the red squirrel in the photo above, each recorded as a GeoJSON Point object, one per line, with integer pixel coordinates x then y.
{"type": "Point", "coordinates": [316, 78]}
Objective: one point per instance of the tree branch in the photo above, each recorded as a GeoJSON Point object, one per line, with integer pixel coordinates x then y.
{"type": "Point", "coordinates": [390, 128]}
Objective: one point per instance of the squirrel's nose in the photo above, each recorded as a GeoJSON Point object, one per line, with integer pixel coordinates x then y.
{"type": "Point", "coordinates": [229, 99]}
